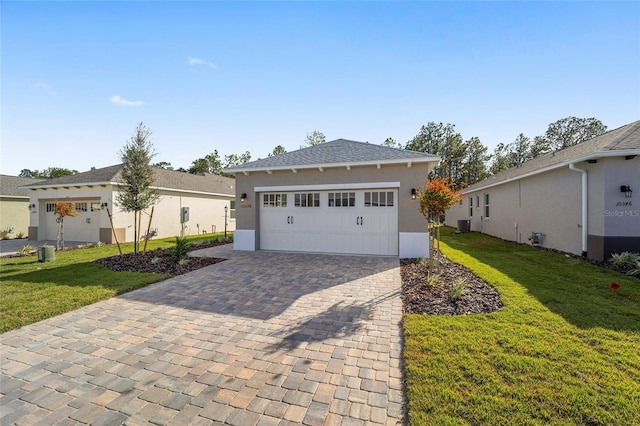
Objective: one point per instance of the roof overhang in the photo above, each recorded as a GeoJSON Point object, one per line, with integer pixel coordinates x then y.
{"type": "Point", "coordinates": [323, 166]}
{"type": "Point", "coordinates": [565, 163]}
{"type": "Point", "coordinates": [120, 184]}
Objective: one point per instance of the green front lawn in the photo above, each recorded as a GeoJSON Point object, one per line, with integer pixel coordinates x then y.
{"type": "Point", "coordinates": [31, 291]}
{"type": "Point", "coordinates": [564, 349]}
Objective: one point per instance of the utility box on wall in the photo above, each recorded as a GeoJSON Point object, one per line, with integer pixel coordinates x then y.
{"type": "Point", "coordinates": [184, 214]}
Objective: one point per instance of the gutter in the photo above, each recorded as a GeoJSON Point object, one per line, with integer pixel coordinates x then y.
{"type": "Point", "coordinates": [585, 208]}
{"type": "Point", "coordinates": [593, 156]}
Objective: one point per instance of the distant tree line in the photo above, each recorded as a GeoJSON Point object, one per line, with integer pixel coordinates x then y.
{"type": "Point", "coordinates": [464, 162]}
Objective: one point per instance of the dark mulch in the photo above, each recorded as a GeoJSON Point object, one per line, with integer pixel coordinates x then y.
{"type": "Point", "coordinates": [160, 261]}
{"type": "Point", "coordinates": [437, 296]}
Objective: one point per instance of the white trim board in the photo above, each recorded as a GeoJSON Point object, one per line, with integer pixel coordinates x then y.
{"type": "Point", "coordinates": [327, 187]}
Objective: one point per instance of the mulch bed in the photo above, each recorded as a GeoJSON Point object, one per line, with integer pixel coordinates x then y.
{"type": "Point", "coordinates": [160, 261]}
{"type": "Point", "coordinates": [437, 296]}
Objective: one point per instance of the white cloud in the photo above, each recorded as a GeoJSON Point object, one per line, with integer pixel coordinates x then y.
{"type": "Point", "coordinates": [198, 61]}
{"type": "Point", "coordinates": [124, 102]}
{"type": "Point", "coordinates": [44, 87]}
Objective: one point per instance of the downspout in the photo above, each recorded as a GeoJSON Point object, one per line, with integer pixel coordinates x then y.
{"type": "Point", "coordinates": [584, 207]}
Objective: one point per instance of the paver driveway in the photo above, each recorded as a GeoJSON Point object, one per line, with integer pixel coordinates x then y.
{"type": "Point", "coordinates": [262, 338]}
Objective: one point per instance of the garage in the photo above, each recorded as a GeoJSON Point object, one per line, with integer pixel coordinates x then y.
{"type": "Point", "coordinates": [341, 221]}
{"type": "Point", "coordinates": [341, 196]}
{"type": "Point", "coordinates": [84, 227]}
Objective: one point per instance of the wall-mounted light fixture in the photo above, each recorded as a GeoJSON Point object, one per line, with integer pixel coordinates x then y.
{"type": "Point", "coordinates": [32, 207]}
{"type": "Point", "coordinates": [413, 193]}
{"type": "Point", "coordinates": [103, 206]}
{"type": "Point", "coordinates": [243, 197]}
{"type": "Point", "coordinates": [627, 190]}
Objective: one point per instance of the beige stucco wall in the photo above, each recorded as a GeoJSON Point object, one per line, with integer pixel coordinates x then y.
{"type": "Point", "coordinates": [409, 217]}
{"type": "Point", "coordinates": [551, 203]}
{"type": "Point", "coordinates": [205, 210]}
{"type": "Point", "coordinates": [14, 216]}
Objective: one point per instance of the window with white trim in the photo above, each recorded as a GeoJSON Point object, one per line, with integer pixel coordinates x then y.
{"type": "Point", "coordinates": [273, 200]}
{"type": "Point", "coordinates": [309, 199]}
{"type": "Point", "coordinates": [471, 206]}
{"type": "Point", "coordinates": [232, 209]}
{"type": "Point", "coordinates": [378, 199]}
{"type": "Point", "coordinates": [486, 205]}
{"type": "Point", "coordinates": [342, 199]}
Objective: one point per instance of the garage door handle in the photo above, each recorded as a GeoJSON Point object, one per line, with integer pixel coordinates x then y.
{"type": "Point", "coordinates": [292, 219]}
{"type": "Point", "coordinates": [357, 220]}
{"type": "Point", "coordinates": [288, 219]}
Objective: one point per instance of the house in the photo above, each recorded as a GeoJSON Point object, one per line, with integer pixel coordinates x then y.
{"type": "Point", "coordinates": [341, 196]}
{"type": "Point", "coordinates": [14, 206]}
{"type": "Point", "coordinates": [577, 200]}
{"type": "Point", "coordinates": [189, 204]}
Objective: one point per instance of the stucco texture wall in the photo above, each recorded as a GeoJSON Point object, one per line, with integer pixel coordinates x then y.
{"type": "Point", "coordinates": [409, 217]}
{"type": "Point", "coordinates": [14, 217]}
{"type": "Point", "coordinates": [548, 203]}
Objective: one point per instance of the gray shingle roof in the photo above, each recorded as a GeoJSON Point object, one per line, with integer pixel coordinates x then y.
{"type": "Point", "coordinates": [339, 151]}
{"type": "Point", "coordinates": [168, 179]}
{"type": "Point", "coordinates": [622, 140]}
{"type": "Point", "coordinates": [10, 186]}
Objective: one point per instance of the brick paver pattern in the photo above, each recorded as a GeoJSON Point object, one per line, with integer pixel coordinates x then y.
{"type": "Point", "coordinates": [262, 338]}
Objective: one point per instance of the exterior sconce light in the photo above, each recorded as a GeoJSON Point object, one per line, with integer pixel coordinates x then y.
{"type": "Point", "coordinates": [413, 193]}
{"type": "Point", "coordinates": [243, 197]}
{"type": "Point", "coordinates": [103, 206]}
{"type": "Point", "coordinates": [627, 191]}
{"type": "Point", "coordinates": [32, 207]}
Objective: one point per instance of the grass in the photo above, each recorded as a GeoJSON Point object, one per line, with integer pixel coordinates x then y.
{"type": "Point", "coordinates": [564, 349]}
{"type": "Point", "coordinates": [32, 291]}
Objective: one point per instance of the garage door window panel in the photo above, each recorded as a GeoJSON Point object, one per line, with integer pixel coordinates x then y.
{"type": "Point", "coordinates": [342, 199]}
{"type": "Point", "coordinates": [274, 200]}
{"type": "Point", "coordinates": [310, 199]}
{"type": "Point", "coordinates": [379, 199]}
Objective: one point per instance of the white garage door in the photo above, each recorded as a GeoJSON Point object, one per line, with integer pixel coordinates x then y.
{"type": "Point", "coordinates": [85, 227]}
{"type": "Point", "coordinates": [355, 222]}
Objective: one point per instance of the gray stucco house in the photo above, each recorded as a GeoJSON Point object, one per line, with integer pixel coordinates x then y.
{"type": "Point", "coordinates": [95, 194]}
{"type": "Point", "coordinates": [582, 200]}
{"type": "Point", "coordinates": [341, 196]}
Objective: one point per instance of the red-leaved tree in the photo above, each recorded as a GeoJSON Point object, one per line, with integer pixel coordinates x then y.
{"type": "Point", "coordinates": [61, 210]}
{"type": "Point", "coordinates": [434, 199]}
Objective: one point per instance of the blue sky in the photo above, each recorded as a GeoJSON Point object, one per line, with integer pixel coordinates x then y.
{"type": "Point", "coordinates": [77, 77]}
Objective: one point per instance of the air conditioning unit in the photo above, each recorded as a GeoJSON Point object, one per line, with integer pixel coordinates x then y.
{"type": "Point", "coordinates": [536, 238]}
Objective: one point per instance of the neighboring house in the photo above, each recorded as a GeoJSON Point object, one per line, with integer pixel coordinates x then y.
{"type": "Point", "coordinates": [95, 194]}
{"type": "Point", "coordinates": [14, 206]}
{"type": "Point", "coordinates": [584, 199]}
{"type": "Point", "coordinates": [337, 197]}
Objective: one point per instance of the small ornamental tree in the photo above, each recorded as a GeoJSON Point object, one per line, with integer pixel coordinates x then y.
{"type": "Point", "coordinates": [61, 210]}
{"type": "Point", "coordinates": [434, 199]}
{"type": "Point", "coordinates": [136, 193]}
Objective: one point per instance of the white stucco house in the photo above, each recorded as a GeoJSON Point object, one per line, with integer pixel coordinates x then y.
{"type": "Point", "coordinates": [189, 204]}
{"type": "Point", "coordinates": [582, 200]}
{"type": "Point", "coordinates": [14, 206]}
{"type": "Point", "coordinates": [341, 196]}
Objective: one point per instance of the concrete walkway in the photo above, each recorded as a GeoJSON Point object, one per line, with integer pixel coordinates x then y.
{"type": "Point", "coordinates": [260, 339]}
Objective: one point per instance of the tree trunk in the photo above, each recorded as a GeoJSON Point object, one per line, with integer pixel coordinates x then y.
{"type": "Point", "coordinates": [60, 244]}
{"type": "Point", "coordinates": [135, 232]}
